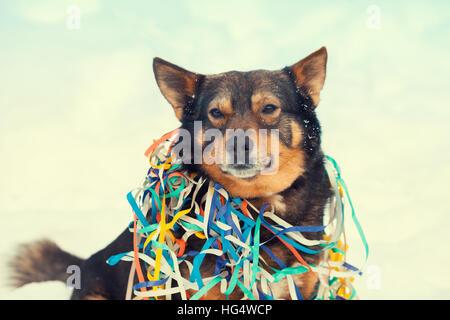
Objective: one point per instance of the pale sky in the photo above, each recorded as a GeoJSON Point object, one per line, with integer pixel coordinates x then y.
{"type": "Point", "coordinates": [79, 107]}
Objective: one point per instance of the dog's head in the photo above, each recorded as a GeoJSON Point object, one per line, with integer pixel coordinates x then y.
{"type": "Point", "coordinates": [252, 132]}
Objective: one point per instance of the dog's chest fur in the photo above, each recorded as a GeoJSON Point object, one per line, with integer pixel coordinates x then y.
{"type": "Point", "coordinates": [302, 204]}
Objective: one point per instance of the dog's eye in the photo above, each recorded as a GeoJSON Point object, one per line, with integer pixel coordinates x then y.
{"type": "Point", "coordinates": [215, 113]}
{"type": "Point", "coordinates": [268, 109]}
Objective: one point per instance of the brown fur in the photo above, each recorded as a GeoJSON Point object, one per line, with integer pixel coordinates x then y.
{"type": "Point", "coordinates": [241, 97]}
{"type": "Point", "coordinates": [298, 191]}
{"type": "Point", "coordinates": [40, 261]}
{"type": "Point", "coordinates": [95, 297]}
{"type": "Point", "coordinates": [310, 73]}
{"type": "Point", "coordinates": [290, 168]}
{"type": "Point", "coordinates": [170, 79]}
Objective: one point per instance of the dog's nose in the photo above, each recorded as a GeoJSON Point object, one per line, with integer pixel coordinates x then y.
{"type": "Point", "coordinates": [240, 150]}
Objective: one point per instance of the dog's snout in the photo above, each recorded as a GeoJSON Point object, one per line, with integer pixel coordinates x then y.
{"type": "Point", "coordinates": [240, 150]}
{"type": "Point", "coordinates": [246, 144]}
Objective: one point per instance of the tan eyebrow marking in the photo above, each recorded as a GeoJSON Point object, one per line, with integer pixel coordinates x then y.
{"type": "Point", "coordinates": [222, 103]}
{"type": "Point", "coordinates": [260, 99]}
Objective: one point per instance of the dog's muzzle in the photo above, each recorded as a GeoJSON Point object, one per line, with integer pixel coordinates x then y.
{"type": "Point", "coordinates": [243, 161]}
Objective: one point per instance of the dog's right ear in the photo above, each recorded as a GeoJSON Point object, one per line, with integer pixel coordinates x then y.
{"type": "Point", "coordinates": [177, 85]}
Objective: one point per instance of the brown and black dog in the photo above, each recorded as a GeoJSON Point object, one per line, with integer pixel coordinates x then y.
{"type": "Point", "coordinates": [298, 191]}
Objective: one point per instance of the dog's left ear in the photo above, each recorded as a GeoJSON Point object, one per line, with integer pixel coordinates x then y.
{"type": "Point", "coordinates": [177, 85]}
{"type": "Point", "coordinates": [309, 74]}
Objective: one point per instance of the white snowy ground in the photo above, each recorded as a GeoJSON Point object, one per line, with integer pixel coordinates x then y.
{"type": "Point", "coordinates": [79, 107]}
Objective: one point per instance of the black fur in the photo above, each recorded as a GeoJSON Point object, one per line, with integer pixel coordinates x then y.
{"type": "Point", "coordinates": [309, 193]}
{"type": "Point", "coordinates": [305, 198]}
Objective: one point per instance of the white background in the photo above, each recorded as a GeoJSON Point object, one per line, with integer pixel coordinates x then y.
{"type": "Point", "coordinates": [79, 108]}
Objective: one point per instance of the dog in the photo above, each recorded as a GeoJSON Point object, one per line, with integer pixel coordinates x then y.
{"type": "Point", "coordinates": [298, 190]}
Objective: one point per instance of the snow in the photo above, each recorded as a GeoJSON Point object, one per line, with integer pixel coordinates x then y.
{"type": "Point", "coordinates": [79, 108]}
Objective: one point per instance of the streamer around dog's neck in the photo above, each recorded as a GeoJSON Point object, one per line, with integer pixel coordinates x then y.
{"type": "Point", "coordinates": [166, 202]}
